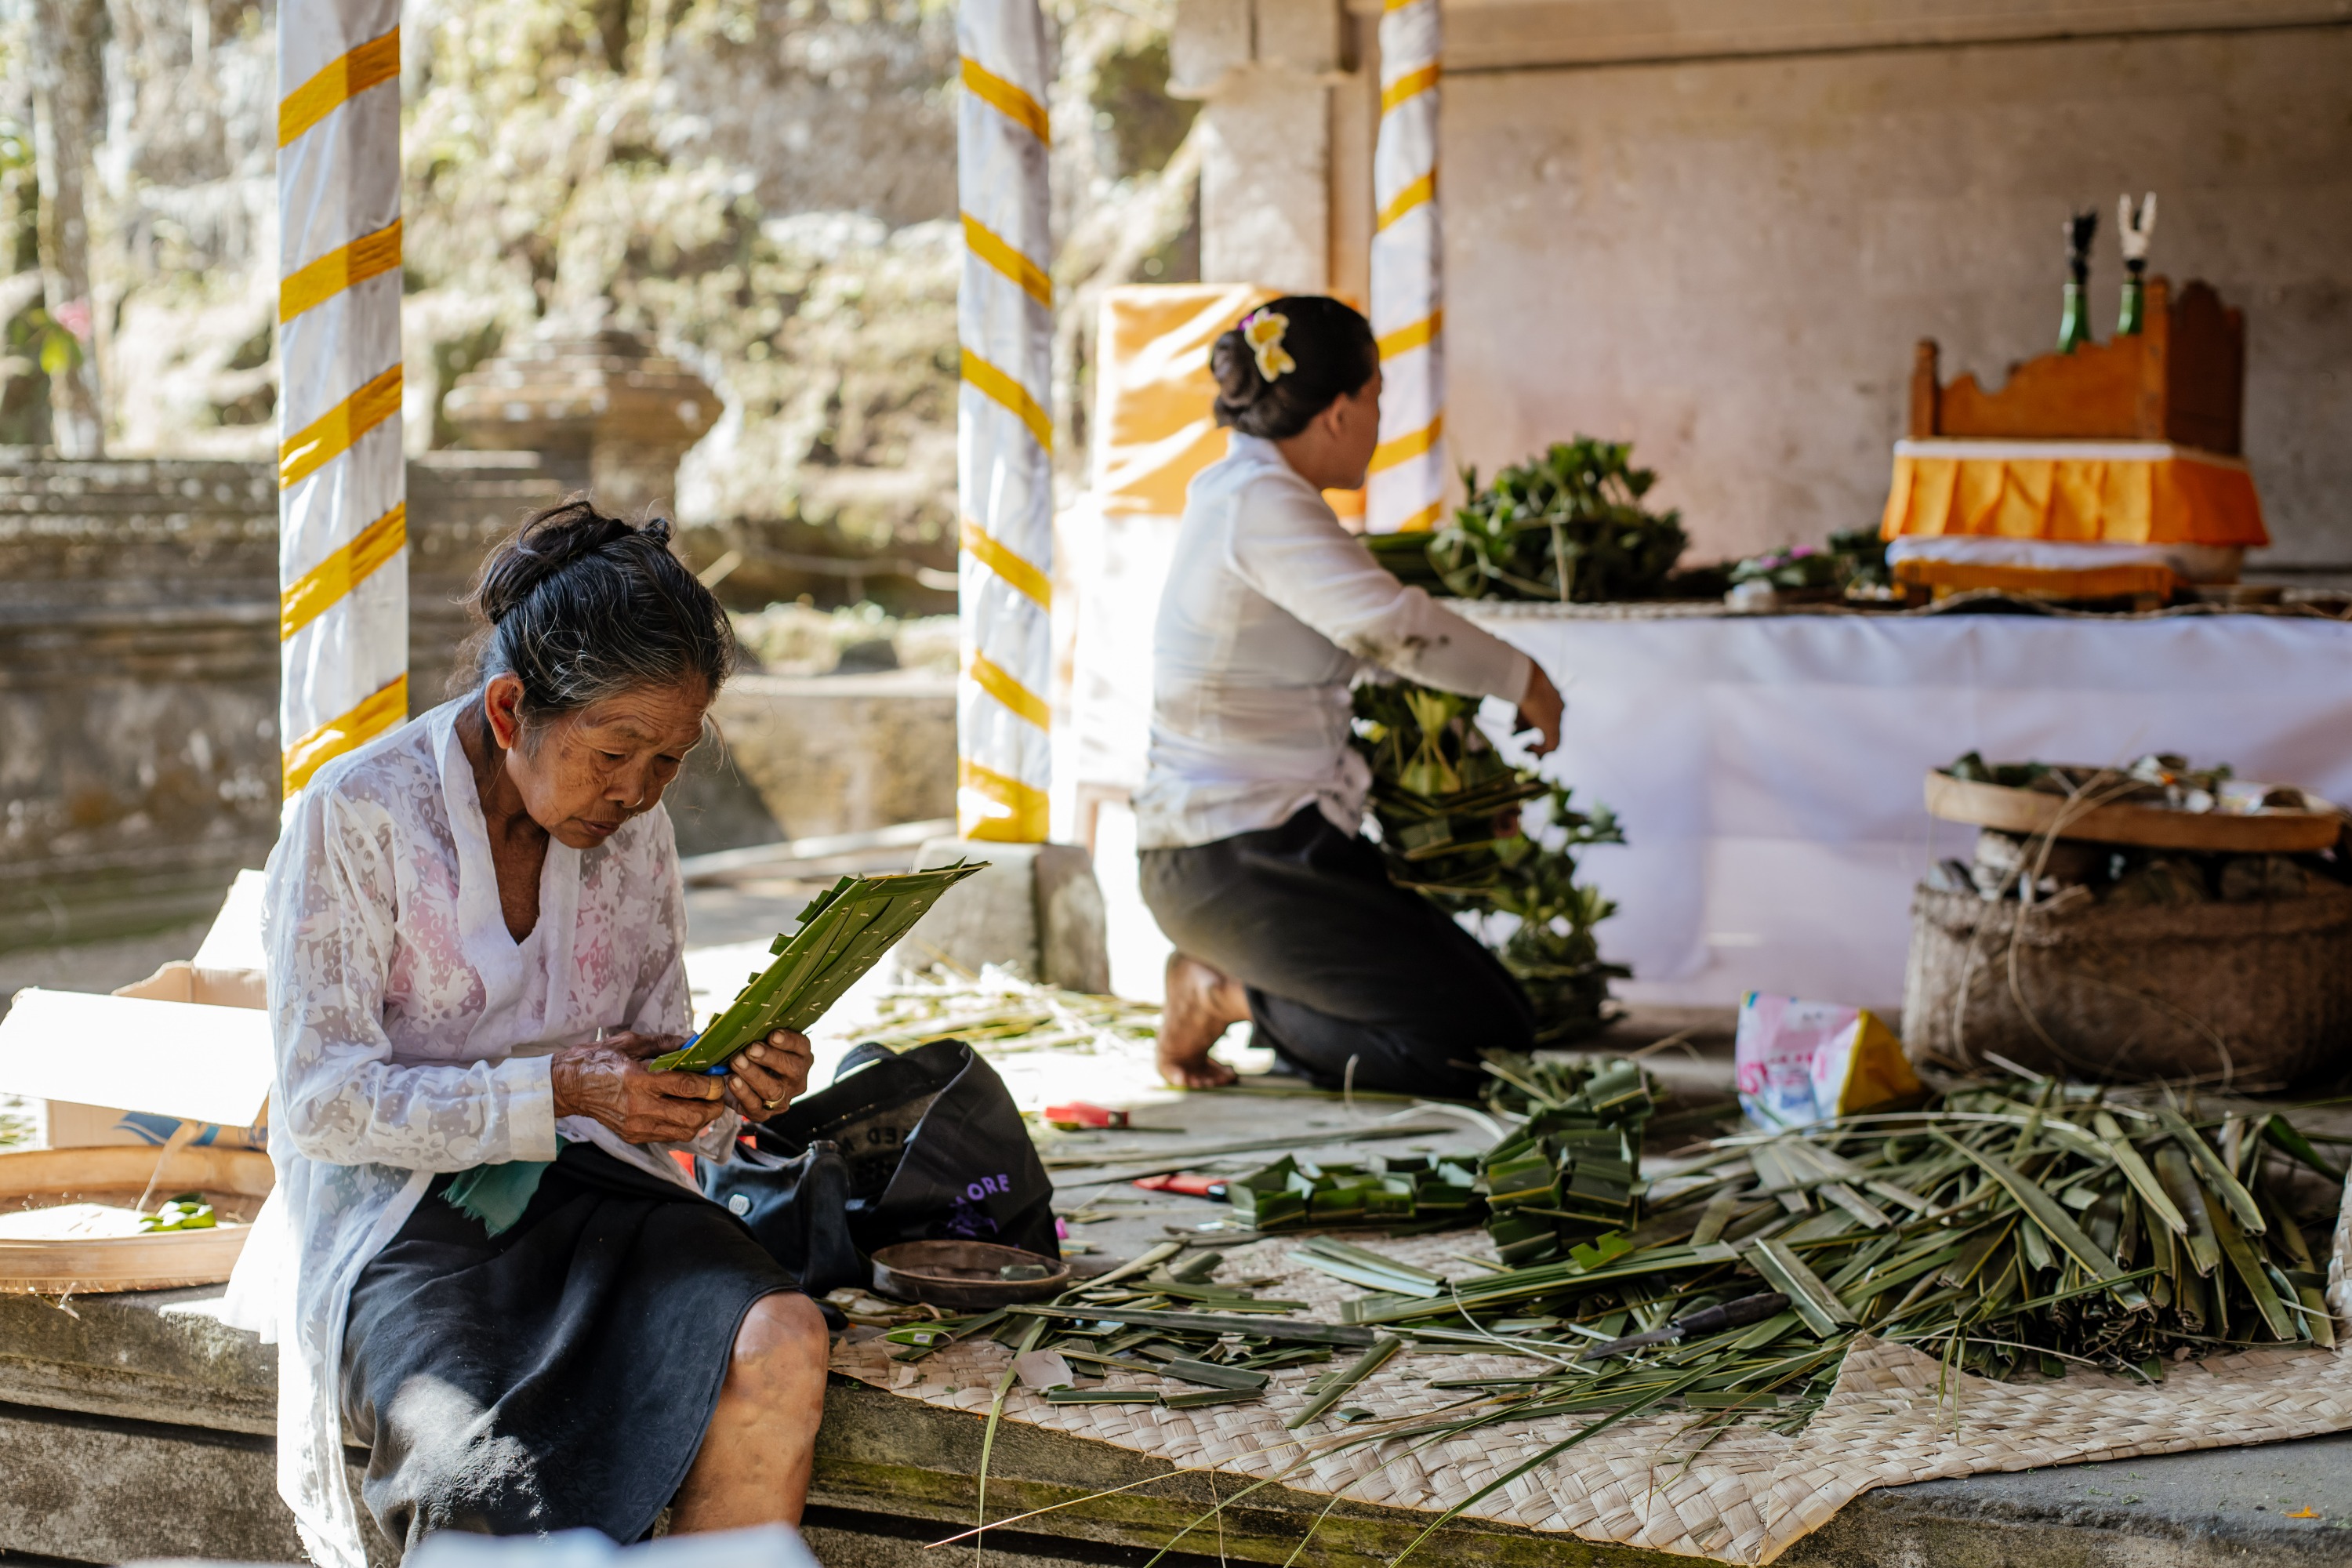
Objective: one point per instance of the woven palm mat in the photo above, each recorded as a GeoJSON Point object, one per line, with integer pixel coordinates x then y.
{"type": "Point", "coordinates": [1648, 1482]}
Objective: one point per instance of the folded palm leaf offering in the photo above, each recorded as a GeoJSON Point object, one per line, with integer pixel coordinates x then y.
{"type": "Point", "coordinates": [1566, 1173]}
{"type": "Point", "coordinates": [842, 932]}
{"type": "Point", "coordinates": [1439, 787]}
{"type": "Point", "coordinates": [1445, 800]}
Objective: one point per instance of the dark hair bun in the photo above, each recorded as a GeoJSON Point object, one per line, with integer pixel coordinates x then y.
{"type": "Point", "coordinates": [580, 605]}
{"type": "Point", "coordinates": [543, 547]}
{"type": "Point", "coordinates": [1332, 354]}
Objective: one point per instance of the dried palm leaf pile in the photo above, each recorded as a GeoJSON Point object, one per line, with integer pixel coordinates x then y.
{"type": "Point", "coordinates": [2013, 1230]}
{"type": "Point", "coordinates": [998, 1008]}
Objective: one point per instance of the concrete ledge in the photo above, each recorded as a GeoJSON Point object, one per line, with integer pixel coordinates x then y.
{"type": "Point", "coordinates": [159, 1356]}
{"type": "Point", "coordinates": [93, 1489]}
{"type": "Point", "coordinates": [140, 1427]}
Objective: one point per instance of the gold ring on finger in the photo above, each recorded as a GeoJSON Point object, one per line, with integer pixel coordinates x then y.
{"type": "Point", "coordinates": [771, 1104]}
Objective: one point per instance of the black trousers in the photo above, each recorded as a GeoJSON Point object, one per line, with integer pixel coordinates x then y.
{"type": "Point", "coordinates": [1340, 963]}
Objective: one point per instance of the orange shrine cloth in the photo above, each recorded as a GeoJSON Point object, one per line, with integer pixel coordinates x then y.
{"type": "Point", "coordinates": [1154, 425]}
{"type": "Point", "coordinates": [2116, 493]}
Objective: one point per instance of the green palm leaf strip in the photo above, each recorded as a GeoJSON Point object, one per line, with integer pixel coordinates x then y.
{"type": "Point", "coordinates": [2217, 1175]}
{"type": "Point", "coordinates": [842, 933]}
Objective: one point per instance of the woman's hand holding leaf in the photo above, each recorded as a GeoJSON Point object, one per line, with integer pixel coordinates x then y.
{"type": "Point", "coordinates": [606, 1079]}
{"type": "Point", "coordinates": [768, 1074]}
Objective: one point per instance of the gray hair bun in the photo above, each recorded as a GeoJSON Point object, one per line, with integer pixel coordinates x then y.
{"type": "Point", "coordinates": [580, 605]}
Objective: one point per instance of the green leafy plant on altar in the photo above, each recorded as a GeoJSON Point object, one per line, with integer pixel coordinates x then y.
{"type": "Point", "coordinates": [1565, 526]}
{"type": "Point", "coordinates": [1853, 559]}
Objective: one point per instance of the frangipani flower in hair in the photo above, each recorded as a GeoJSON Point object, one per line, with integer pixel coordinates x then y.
{"type": "Point", "coordinates": [1262, 331]}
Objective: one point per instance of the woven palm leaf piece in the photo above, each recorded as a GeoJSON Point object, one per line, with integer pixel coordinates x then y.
{"type": "Point", "coordinates": [842, 933]}
{"type": "Point", "coordinates": [1453, 829]}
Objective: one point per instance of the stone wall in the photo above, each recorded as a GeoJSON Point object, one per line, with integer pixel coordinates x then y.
{"type": "Point", "coordinates": [841, 753]}
{"type": "Point", "coordinates": [139, 690]}
{"type": "Point", "coordinates": [766, 185]}
{"type": "Point", "coordinates": [1718, 229]}
{"type": "Point", "coordinates": [138, 672]}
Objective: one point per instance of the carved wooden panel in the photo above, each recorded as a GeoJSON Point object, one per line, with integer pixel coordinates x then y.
{"type": "Point", "coordinates": [2182, 379]}
{"type": "Point", "coordinates": [2205, 382]}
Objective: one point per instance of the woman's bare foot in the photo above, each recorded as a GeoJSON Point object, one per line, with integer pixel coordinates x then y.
{"type": "Point", "coordinates": [1203, 1002]}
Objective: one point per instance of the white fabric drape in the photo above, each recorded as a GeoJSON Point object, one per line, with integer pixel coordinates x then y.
{"type": "Point", "coordinates": [1769, 770]}
{"type": "Point", "coordinates": [343, 517]}
{"type": "Point", "coordinates": [1004, 427]}
{"type": "Point", "coordinates": [1407, 487]}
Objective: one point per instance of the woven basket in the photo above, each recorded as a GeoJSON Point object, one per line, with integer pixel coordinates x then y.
{"type": "Point", "coordinates": [2253, 993]}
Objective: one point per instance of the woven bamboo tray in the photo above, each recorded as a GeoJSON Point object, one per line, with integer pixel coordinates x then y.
{"type": "Point", "coordinates": [233, 1181]}
{"type": "Point", "coordinates": [2274, 830]}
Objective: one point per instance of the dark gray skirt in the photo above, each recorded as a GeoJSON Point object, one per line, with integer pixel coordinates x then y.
{"type": "Point", "coordinates": [559, 1374]}
{"type": "Point", "coordinates": [1349, 976]}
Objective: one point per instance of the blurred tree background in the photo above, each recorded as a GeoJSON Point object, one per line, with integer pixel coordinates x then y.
{"type": "Point", "coordinates": [766, 185]}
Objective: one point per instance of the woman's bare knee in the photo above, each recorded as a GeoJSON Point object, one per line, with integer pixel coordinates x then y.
{"type": "Point", "coordinates": [782, 1340]}
{"type": "Point", "coordinates": [753, 1466]}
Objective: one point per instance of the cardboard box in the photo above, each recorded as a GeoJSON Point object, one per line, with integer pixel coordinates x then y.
{"type": "Point", "coordinates": [189, 1043]}
{"type": "Point", "coordinates": [68, 1124]}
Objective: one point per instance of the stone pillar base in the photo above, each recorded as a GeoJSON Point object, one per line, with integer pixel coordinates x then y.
{"type": "Point", "coordinates": [1036, 911]}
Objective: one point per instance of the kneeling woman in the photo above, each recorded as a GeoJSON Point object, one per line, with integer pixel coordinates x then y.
{"type": "Point", "coordinates": [1252, 864]}
{"type": "Point", "coordinates": [487, 1267]}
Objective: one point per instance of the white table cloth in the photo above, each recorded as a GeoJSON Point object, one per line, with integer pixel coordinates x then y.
{"type": "Point", "coordinates": [1769, 770]}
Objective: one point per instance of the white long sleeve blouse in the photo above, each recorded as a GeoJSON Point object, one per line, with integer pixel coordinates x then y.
{"type": "Point", "coordinates": [1271, 610]}
{"type": "Point", "coordinates": [413, 1036]}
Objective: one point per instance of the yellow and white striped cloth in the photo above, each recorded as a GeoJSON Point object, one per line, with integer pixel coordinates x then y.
{"type": "Point", "coordinates": [1407, 489]}
{"type": "Point", "coordinates": [1005, 431]}
{"type": "Point", "coordinates": [343, 517]}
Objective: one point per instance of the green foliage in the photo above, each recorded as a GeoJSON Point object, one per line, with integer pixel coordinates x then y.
{"type": "Point", "coordinates": [1132, 107]}
{"type": "Point", "coordinates": [38, 336]}
{"type": "Point", "coordinates": [1567, 526]}
{"type": "Point", "coordinates": [1447, 805]}
{"type": "Point", "coordinates": [1552, 950]}
{"type": "Point", "coordinates": [1855, 558]}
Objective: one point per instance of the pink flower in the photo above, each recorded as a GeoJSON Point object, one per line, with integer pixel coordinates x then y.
{"type": "Point", "coordinates": [74, 317]}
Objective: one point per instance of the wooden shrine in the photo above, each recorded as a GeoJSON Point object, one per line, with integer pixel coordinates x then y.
{"type": "Point", "coordinates": [2181, 379]}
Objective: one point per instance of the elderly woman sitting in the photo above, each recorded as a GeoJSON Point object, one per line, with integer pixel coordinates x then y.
{"type": "Point", "coordinates": [486, 1264]}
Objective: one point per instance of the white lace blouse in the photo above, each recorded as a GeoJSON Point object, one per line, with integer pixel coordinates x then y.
{"type": "Point", "coordinates": [413, 1035]}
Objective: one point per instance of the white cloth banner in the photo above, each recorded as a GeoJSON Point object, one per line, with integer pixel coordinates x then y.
{"type": "Point", "coordinates": [1769, 770]}
{"type": "Point", "coordinates": [343, 496]}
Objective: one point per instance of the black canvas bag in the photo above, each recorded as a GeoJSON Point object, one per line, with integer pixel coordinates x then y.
{"type": "Point", "coordinates": [798, 1208]}
{"type": "Point", "coordinates": [932, 1149]}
